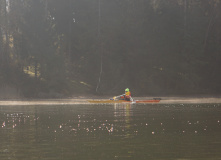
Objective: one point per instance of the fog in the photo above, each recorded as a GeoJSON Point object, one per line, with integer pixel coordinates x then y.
{"type": "Point", "coordinates": [85, 101]}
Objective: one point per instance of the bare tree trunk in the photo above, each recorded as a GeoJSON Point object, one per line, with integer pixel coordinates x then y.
{"type": "Point", "coordinates": [99, 45]}
{"type": "Point", "coordinates": [185, 17]}
{"type": "Point", "coordinates": [1, 51]}
{"type": "Point", "coordinates": [212, 18]}
{"type": "Point", "coordinates": [185, 29]}
{"type": "Point", "coordinates": [69, 36]}
{"type": "Point", "coordinates": [69, 40]}
{"type": "Point", "coordinates": [6, 48]}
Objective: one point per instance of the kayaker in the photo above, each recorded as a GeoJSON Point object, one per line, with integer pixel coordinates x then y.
{"type": "Point", "coordinates": [127, 95]}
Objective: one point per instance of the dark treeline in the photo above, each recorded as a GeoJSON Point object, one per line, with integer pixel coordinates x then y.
{"type": "Point", "coordinates": [57, 48]}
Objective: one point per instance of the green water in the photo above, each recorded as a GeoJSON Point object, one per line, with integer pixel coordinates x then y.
{"type": "Point", "coordinates": [111, 132]}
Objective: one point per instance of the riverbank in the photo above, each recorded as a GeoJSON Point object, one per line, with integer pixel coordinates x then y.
{"type": "Point", "coordinates": [84, 100]}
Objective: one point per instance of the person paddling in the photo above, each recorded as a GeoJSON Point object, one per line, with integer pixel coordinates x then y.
{"type": "Point", "coordinates": [126, 96]}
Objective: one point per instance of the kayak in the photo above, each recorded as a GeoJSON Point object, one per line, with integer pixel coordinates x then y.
{"type": "Point", "coordinates": [155, 100]}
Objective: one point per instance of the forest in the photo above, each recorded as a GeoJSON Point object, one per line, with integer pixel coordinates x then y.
{"type": "Point", "coordinates": [66, 48]}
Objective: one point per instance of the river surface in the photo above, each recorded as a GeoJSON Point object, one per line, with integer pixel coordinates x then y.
{"type": "Point", "coordinates": [111, 132]}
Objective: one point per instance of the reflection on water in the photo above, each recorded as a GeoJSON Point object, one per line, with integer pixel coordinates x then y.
{"type": "Point", "coordinates": [110, 132]}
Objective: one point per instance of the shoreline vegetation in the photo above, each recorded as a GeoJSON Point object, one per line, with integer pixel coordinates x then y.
{"type": "Point", "coordinates": [154, 48]}
{"type": "Point", "coordinates": [84, 100]}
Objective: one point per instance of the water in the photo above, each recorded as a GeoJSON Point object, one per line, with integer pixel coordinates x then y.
{"type": "Point", "coordinates": [111, 132]}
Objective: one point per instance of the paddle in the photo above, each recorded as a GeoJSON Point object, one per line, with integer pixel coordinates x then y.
{"type": "Point", "coordinates": [117, 98]}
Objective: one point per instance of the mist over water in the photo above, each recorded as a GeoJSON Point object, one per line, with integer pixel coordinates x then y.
{"type": "Point", "coordinates": [159, 131]}
{"type": "Point", "coordinates": [84, 100]}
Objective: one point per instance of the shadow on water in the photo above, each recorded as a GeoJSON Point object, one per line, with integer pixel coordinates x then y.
{"type": "Point", "coordinates": [120, 131]}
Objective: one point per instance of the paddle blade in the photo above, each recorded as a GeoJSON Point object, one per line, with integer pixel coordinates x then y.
{"type": "Point", "coordinates": [113, 99]}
